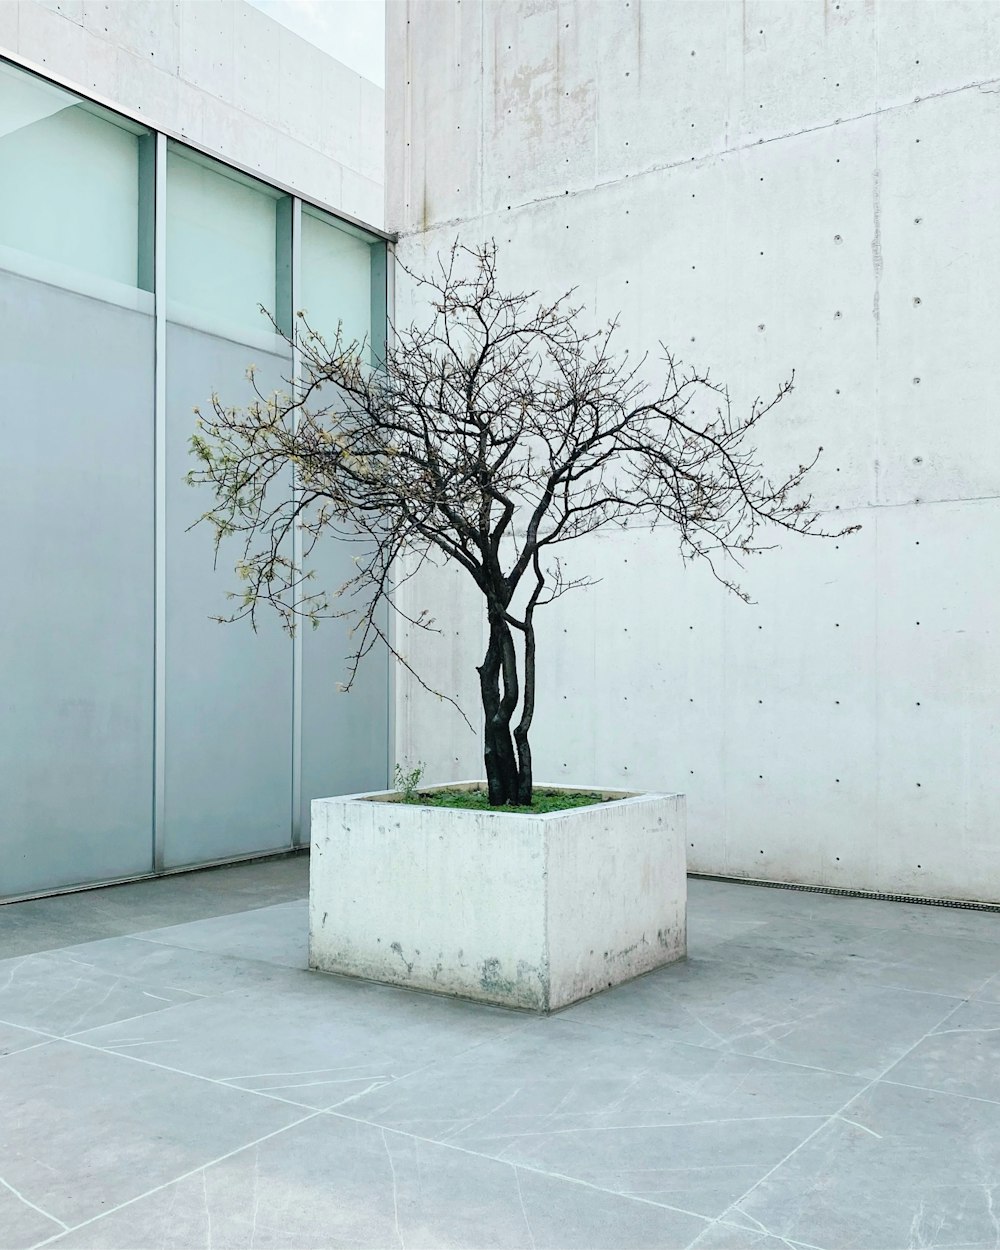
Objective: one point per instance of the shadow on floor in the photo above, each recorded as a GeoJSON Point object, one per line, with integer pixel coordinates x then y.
{"type": "Point", "coordinates": [88, 915]}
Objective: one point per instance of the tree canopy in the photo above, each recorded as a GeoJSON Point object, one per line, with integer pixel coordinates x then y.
{"type": "Point", "coordinates": [491, 432]}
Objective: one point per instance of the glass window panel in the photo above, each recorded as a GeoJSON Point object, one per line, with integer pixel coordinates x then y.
{"type": "Point", "coordinates": [70, 181]}
{"type": "Point", "coordinates": [225, 246]}
{"type": "Point", "coordinates": [336, 279]}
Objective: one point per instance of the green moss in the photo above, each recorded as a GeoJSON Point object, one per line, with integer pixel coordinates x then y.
{"type": "Point", "coordinates": [478, 800]}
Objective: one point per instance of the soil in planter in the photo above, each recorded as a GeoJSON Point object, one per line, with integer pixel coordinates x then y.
{"type": "Point", "coordinates": [479, 800]}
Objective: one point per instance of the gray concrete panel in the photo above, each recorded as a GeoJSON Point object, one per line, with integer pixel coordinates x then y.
{"type": "Point", "coordinates": [835, 219]}
{"type": "Point", "coordinates": [76, 628]}
{"type": "Point", "coordinates": [229, 690]}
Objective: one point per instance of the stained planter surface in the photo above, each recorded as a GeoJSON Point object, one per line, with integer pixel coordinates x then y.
{"type": "Point", "coordinates": [523, 910]}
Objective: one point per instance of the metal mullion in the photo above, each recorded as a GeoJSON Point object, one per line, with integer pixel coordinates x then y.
{"type": "Point", "coordinates": [159, 501]}
{"type": "Point", "coordinates": [296, 272]}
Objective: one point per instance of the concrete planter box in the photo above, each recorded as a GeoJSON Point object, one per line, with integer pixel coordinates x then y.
{"type": "Point", "coordinates": [514, 909]}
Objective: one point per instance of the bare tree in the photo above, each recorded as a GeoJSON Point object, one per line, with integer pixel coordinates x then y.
{"type": "Point", "coordinates": [490, 434]}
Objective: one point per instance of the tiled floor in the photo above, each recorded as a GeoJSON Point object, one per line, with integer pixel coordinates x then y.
{"type": "Point", "coordinates": [821, 1072]}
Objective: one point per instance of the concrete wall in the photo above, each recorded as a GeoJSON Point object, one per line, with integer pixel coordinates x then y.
{"type": "Point", "coordinates": [765, 187]}
{"type": "Point", "coordinates": [225, 76]}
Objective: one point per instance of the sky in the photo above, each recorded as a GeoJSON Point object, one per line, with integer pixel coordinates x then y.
{"type": "Point", "coordinates": [353, 31]}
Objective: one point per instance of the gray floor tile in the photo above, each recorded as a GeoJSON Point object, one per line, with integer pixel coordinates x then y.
{"type": "Point", "coordinates": [154, 963]}
{"type": "Point", "coordinates": [941, 921]}
{"type": "Point", "coordinates": [334, 1183]}
{"type": "Point", "coordinates": [903, 1168]}
{"type": "Point", "coordinates": [709, 929]}
{"type": "Point", "coordinates": [677, 1124]}
{"type": "Point", "coordinates": [314, 1040]}
{"type": "Point", "coordinates": [823, 1015]}
{"type": "Point", "coordinates": [924, 961]}
{"type": "Point", "coordinates": [932, 962]}
{"type": "Point", "coordinates": [961, 1056]}
{"type": "Point", "coordinates": [84, 1130]}
{"type": "Point", "coordinates": [13, 1038]}
{"type": "Point", "coordinates": [759, 903]}
{"type": "Point", "coordinates": [277, 935]}
{"type": "Point", "coordinates": [59, 993]}
{"type": "Point", "coordinates": [791, 1001]}
{"type": "Point", "coordinates": [698, 1000]}
{"type": "Point", "coordinates": [990, 992]}
{"type": "Point", "coordinates": [803, 940]}
{"type": "Point", "coordinates": [21, 1224]}
{"type": "Point", "coordinates": [723, 1236]}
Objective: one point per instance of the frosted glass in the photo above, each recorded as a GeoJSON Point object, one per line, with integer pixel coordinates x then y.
{"type": "Point", "coordinates": [336, 277]}
{"type": "Point", "coordinates": [69, 180]}
{"type": "Point", "coordinates": [221, 246]}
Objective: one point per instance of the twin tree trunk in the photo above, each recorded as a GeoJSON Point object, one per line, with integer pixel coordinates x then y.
{"type": "Point", "coordinates": [506, 753]}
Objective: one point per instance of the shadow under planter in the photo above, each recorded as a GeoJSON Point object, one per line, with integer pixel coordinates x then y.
{"type": "Point", "coordinates": [512, 908]}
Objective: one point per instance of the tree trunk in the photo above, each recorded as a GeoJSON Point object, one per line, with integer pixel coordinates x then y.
{"type": "Point", "coordinates": [524, 777]}
{"type": "Point", "coordinates": [502, 774]}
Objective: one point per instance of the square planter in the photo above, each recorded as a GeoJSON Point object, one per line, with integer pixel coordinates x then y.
{"type": "Point", "coordinates": [517, 909]}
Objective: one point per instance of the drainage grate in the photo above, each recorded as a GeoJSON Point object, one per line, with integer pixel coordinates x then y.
{"type": "Point", "coordinates": [965, 904]}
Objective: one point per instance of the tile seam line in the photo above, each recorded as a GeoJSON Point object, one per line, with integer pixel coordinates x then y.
{"type": "Point", "coordinates": [177, 1179]}
{"type": "Point", "coordinates": [980, 986]}
{"type": "Point", "coordinates": [523, 1167]}
{"type": "Point", "coordinates": [560, 1019]}
{"type": "Point", "coordinates": [788, 1063]}
{"type": "Point", "coordinates": [23, 1050]}
{"type": "Point", "coordinates": [452, 1146]}
{"type": "Point", "coordinates": [838, 1114]}
{"type": "Point", "coordinates": [150, 1063]}
{"type": "Point", "coordinates": [75, 1040]}
{"type": "Point", "coordinates": [936, 1089]}
{"type": "Point", "coordinates": [642, 1128]}
{"type": "Point", "coordinates": [26, 1028]}
{"type": "Point", "coordinates": [873, 984]}
{"type": "Point", "coordinates": [51, 1037]}
{"type": "Point", "coordinates": [515, 1025]}
{"type": "Point", "coordinates": [788, 1241]}
{"type": "Point", "coordinates": [431, 1063]}
{"type": "Point", "coordinates": [571, 1180]}
{"type": "Point", "coordinates": [66, 1037]}
{"type": "Point", "coordinates": [739, 1054]}
{"type": "Point", "coordinates": [195, 950]}
{"type": "Point", "coordinates": [866, 984]}
{"type": "Point", "coordinates": [760, 1231]}
{"type": "Point", "coordinates": [141, 1015]}
{"type": "Point", "coordinates": [35, 1207]}
{"type": "Point", "coordinates": [717, 154]}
